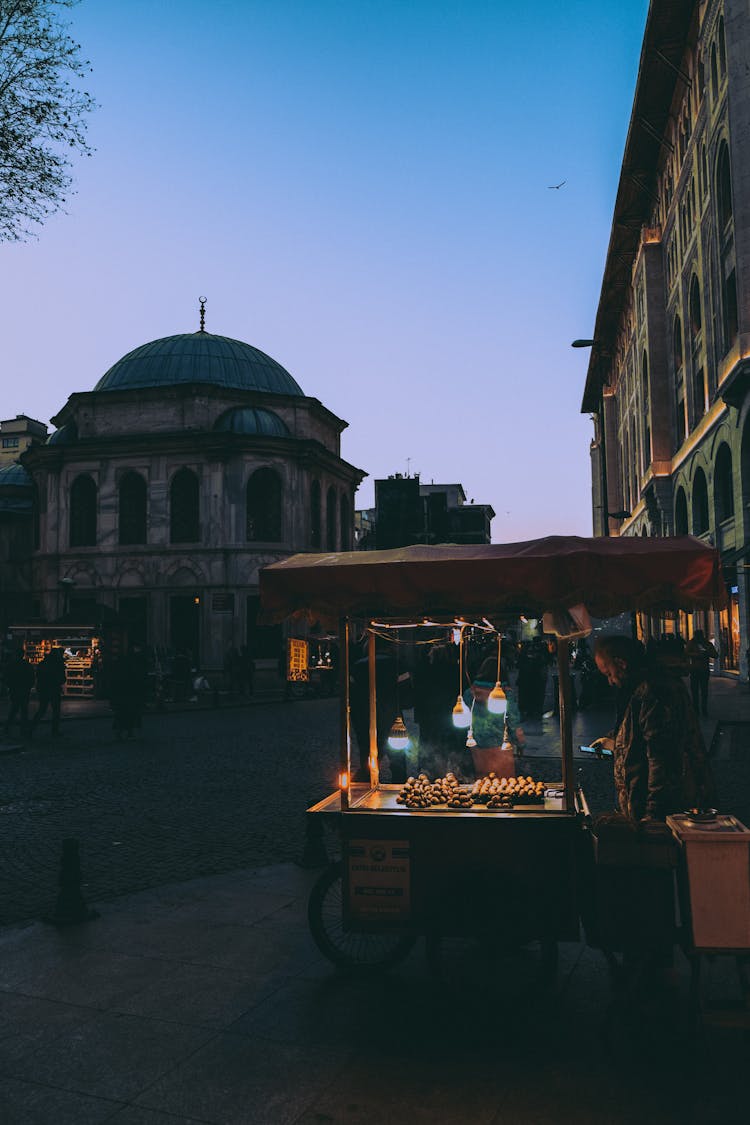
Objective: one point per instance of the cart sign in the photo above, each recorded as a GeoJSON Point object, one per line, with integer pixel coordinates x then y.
{"type": "Point", "coordinates": [297, 665]}
{"type": "Point", "coordinates": [379, 879]}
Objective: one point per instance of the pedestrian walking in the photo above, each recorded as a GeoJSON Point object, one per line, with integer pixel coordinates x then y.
{"type": "Point", "coordinates": [50, 677]}
{"type": "Point", "coordinates": [19, 680]}
{"type": "Point", "coordinates": [699, 651]}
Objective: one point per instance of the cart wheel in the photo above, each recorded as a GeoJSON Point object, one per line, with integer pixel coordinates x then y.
{"type": "Point", "coordinates": [356, 952]}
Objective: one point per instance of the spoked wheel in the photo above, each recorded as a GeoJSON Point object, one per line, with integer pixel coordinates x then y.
{"type": "Point", "coordinates": [346, 949]}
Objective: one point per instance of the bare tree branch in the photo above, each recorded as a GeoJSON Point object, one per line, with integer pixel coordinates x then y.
{"type": "Point", "coordinates": [42, 112]}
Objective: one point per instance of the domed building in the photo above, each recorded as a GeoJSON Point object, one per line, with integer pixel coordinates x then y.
{"type": "Point", "coordinates": [195, 461]}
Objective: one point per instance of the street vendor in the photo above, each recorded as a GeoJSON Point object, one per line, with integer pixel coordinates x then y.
{"type": "Point", "coordinates": [499, 737]}
{"type": "Point", "coordinates": [660, 763]}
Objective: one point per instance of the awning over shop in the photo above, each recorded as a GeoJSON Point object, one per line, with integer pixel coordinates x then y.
{"type": "Point", "coordinates": [607, 575]}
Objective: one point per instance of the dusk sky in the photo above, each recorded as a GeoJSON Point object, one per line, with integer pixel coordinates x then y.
{"type": "Point", "coordinates": [361, 189]}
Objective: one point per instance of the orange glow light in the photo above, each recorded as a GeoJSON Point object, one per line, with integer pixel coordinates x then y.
{"type": "Point", "coordinates": [343, 780]}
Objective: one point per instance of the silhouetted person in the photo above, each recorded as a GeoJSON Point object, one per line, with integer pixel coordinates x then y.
{"type": "Point", "coordinates": [50, 677]}
{"type": "Point", "coordinates": [699, 652]}
{"type": "Point", "coordinates": [19, 679]}
{"type": "Point", "coordinates": [128, 693]}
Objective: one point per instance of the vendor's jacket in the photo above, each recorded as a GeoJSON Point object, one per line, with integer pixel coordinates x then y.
{"type": "Point", "coordinates": [660, 761]}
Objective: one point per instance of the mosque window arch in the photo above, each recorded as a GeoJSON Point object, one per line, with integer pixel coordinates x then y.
{"type": "Point", "coordinates": [264, 506]}
{"type": "Point", "coordinates": [723, 484]}
{"type": "Point", "coordinates": [83, 505]}
{"type": "Point", "coordinates": [700, 503]}
{"type": "Point", "coordinates": [132, 504]}
{"type": "Point", "coordinates": [680, 513]}
{"type": "Point", "coordinates": [315, 537]}
{"type": "Point", "coordinates": [331, 519]}
{"type": "Point", "coordinates": [345, 523]}
{"type": "Point", "coordinates": [184, 507]}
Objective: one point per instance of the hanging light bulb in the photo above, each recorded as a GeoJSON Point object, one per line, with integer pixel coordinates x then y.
{"type": "Point", "coordinates": [507, 744]}
{"type": "Point", "coordinates": [497, 701]}
{"type": "Point", "coordinates": [398, 739]}
{"type": "Point", "coordinates": [461, 715]}
{"type": "Point", "coordinates": [470, 739]}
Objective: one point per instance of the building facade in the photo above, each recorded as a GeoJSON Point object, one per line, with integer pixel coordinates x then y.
{"type": "Point", "coordinates": [195, 461]}
{"type": "Point", "coordinates": [668, 381]}
{"type": "Point", "coordinates": [407, 511]}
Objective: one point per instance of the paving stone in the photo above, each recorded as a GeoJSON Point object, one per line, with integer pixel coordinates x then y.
{"type": "Point", "coordinates": [235, 1080]}
{"type": "Point", "coordinates": [28, 1103]}
{"type": "Point", "coordinates": [112, 1056]}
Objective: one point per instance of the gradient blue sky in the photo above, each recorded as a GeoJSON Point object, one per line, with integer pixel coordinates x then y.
{"type": "Point", "coordinates": [360, 188]}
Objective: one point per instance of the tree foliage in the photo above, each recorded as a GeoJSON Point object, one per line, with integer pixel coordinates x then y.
{"type": "Point", "coordinates": [42, 112]}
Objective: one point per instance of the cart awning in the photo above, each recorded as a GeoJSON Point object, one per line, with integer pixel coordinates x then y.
{"type": "Point", "coordinates": [607, 575]}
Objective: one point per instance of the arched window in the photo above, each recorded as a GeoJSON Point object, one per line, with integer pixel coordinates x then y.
{"type": "Point", "coordinates": [723, 186]}
{"type": "Point", "coordinates": [677, 345]}
{"type": "Point", "coordinates": [83, 496]}
{"type": "Point", "coordinates": [696, 317]}
{"type": "Point", "coordinates": [700, 503]}
{"type": "Point", "coordinates": [680, 513]}
{"type": "Point", "coordinates": [714, 74]}
{"type": "Point", "coordinates": [315, 540]}
{"type": "Point", "coordinates": [132, 509]}
{"type": "Point", "coordinates": [331, 519]}
{"type": "Point", "coordinates": [646, 414]}
{"type": "Point", "coordinates": [723, 486]}
{"type": "Point", "coordinates": [722, 48]}
{"type": "Point", "coordinates": [345, 523]}
{"type": "Point", "coordinates": [264, 506]}
{"type": "Point", "coordinates": [184, 507]}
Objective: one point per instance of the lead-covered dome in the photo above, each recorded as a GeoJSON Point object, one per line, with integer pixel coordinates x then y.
{"type": "Point", "coordinates": [15, 488]}
{"type": "Point", "coordinates": [252, 420]}
{"type": "Point", "coordinates": [199, 357]}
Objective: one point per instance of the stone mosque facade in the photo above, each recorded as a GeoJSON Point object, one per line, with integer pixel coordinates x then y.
{"type": "Point", "coordinates": [195, 461]}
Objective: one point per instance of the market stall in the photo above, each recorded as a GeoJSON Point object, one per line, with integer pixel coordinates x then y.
{"type": "Point", "coordinates": [81, 651]}
{"type": "Point", "coordinates": [454, 858]}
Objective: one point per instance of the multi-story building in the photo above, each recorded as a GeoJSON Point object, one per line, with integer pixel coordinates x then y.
{"type": "Point", "coordinates": [669, 374]}
{"type": "Point", "coordinates": [407, 511]}
{"type": "Point", "coordinates": [17, 434]}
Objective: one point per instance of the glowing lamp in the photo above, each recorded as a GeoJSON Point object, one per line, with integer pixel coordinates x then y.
{"type": "Point", "coordinates": [470, 740]}
{"type": "Point", "coordinates": [497, 701]}
{"type": "Point", "coordinates": [343, 780]}
{"type": "Point", "coordinates": [398, 739]}
{"type": "Point", "coordinates": [461, 715]}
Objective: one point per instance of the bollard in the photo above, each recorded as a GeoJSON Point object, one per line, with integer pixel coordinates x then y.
{"type": "Point", "coordinates": [70, 907]}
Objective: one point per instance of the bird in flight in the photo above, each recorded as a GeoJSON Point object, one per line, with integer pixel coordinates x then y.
{"type": "Point", "coordinates": [556, 187]}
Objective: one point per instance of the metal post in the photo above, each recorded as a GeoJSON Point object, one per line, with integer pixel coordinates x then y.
{"type": "Point", "coordinates": [345, 743]}
{"type": "Point", "coordinates": [566, 719]}
{"type": "Point", "coordinates": [372, 680]}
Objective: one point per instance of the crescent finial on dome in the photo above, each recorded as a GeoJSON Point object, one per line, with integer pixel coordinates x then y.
{"type": "Point", "coordinates": [203, 313]}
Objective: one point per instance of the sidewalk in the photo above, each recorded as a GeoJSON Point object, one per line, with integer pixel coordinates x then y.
{"type": "Point", "coordinates": [208, 1002]}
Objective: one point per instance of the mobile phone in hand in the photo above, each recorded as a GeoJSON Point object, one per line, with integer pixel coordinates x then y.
{"type": "Point", "coordinates": [600, 751]}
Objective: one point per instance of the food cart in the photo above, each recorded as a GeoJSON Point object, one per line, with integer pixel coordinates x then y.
{"type": "Point", "coordinates": [510, 868]}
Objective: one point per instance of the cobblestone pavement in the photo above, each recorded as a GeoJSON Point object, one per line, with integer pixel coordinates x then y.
{"type": "Point", "coordinates": [210, 791]}
{"type": "Point", "coordinates": [199, 793]}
